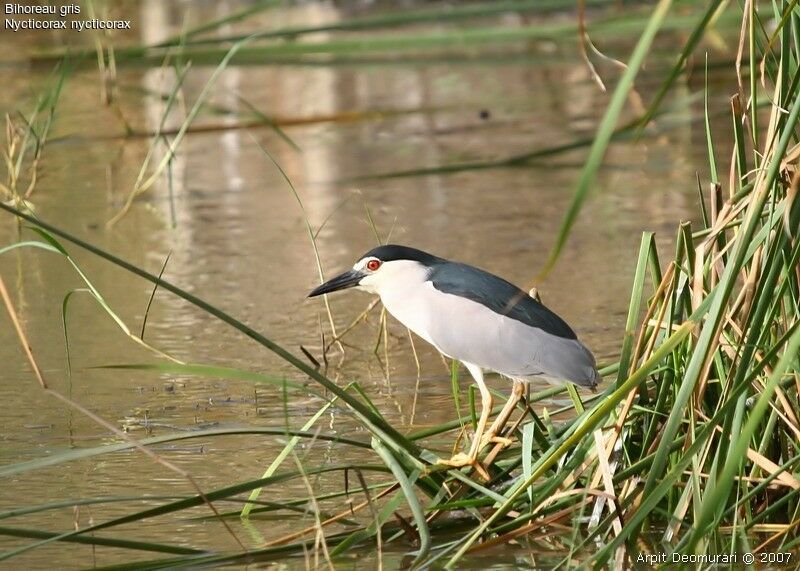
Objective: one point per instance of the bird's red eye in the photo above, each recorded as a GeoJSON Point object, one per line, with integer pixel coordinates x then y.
{"type": "Point", "coordinates": [373, 265]}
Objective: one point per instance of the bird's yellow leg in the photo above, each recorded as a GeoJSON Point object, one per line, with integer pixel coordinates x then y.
{"type": "Point", "coordinates": [487, 402]}
{"type": "Point", "coordinates": [491, 435]}
{"type": "Point", "coordinates": [471, 458]}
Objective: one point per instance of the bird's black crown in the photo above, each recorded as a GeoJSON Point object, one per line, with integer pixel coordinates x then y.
{"type": "Point", "coordinates": [391, 252]}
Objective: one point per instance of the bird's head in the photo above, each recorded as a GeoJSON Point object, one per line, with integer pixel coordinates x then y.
{"type": "Point", "coordinates": [382, 267]}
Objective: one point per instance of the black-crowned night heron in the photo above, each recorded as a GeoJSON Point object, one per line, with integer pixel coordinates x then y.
{"type": "Point", "coordinates": [476, 317]}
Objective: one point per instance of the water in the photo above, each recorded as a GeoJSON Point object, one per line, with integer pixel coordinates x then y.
{"type": "Point", "coordinates": [237, 237]}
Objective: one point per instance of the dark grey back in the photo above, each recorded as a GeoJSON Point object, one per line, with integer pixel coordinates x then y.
{"type": "Point", "coordinates": [497, 294]}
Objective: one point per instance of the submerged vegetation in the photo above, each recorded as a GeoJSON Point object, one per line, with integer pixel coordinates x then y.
{"type": "Point", "coordinates": [695, 434]}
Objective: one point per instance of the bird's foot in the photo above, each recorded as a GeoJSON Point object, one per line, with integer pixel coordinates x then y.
{"type": "Point", "coordinates": [461, 459]}
{"type": "Point", "coordinates": [490, 438]}
{"type": "Point", "coordinates": [458, 461]}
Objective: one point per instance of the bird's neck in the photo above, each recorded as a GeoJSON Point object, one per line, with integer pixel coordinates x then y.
{"type": "Point", "coordinates": [408, 303]}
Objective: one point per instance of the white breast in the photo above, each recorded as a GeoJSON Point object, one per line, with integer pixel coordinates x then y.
{"type": "Point", "coordinates": [408, 296]}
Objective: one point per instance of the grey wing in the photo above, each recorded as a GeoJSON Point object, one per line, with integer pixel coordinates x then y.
{"type": "Point", "coordinates": [537, 353]}
{"type": "Point", "coordinates": [469, 331]}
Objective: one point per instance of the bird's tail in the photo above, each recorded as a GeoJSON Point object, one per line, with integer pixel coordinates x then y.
{"type": "Point", "coordinates": [594, 380]}
{"type": "Point", "coordinates": [593, 377]}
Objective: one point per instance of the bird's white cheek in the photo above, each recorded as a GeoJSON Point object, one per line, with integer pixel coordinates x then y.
{"type": "Point", "coordinates": [368, 284]}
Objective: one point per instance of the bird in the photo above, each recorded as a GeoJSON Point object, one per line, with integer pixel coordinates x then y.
{"type": "Point", "coordinates": [477, 318]}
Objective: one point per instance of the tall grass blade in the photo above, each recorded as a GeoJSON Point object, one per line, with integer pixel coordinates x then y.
{"type": "Point", "coordinates": [606, 129]}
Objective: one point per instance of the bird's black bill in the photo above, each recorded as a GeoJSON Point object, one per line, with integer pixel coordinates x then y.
{"type": "Point", "coordinates": [348, 279]}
